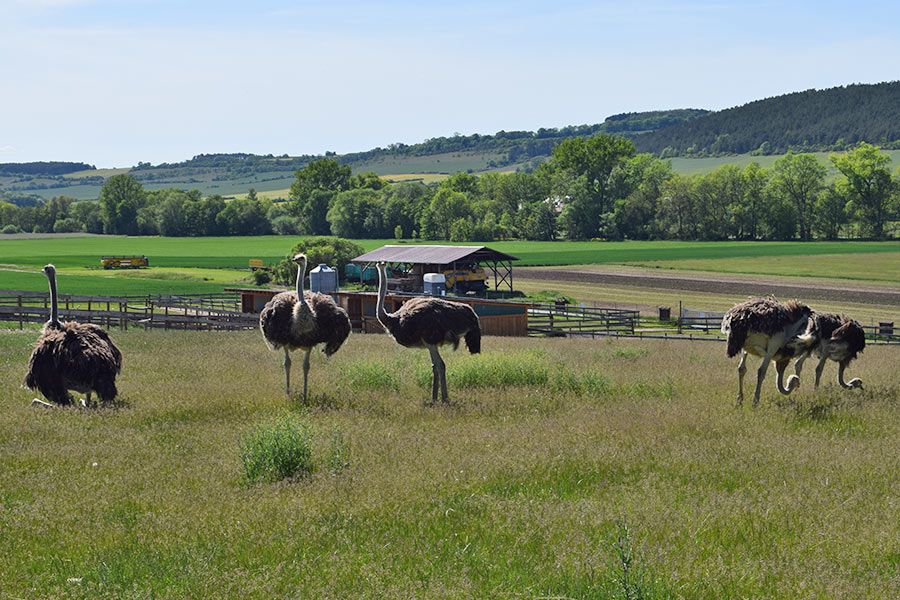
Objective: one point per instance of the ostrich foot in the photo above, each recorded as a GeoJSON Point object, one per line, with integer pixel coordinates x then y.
{"type": "Point", "coordinates": [41, 403]}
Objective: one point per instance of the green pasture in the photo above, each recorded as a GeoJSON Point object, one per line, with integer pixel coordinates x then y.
{"type": "Point", "coordinates": [564, 469]}
{"type": "Point", "coordinates": [194, 262]}
{"type": "Point", "coordinates": [698, 166]}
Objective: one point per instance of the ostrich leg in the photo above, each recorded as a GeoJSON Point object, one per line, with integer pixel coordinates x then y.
{"type": "Point", "coordinates": [437, 379]}
{"type": "Point", "coordinates": [305, 372]}
{"type": "Point", "coordinates": [86, 403]}
{"type": "Point", "coordinates": [742, 368]}
{"type": "Point", "coordinates": [287, 373]}
{"type": "Point", "coordinates": [761, 373]}
{"type": "Point", "coordinates": [444, 397]}
{"type": "Point", "coordinates": [819, 369]}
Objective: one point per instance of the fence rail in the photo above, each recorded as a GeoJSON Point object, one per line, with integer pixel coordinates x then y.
{"type": "Point", "coordinates": [562, 320]}
{"type": "Point", "coordinates": [189, 311]}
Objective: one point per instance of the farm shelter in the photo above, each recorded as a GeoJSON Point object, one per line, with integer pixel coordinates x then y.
{"type": "Point", "coordinates": [497, 317]}
{"type": "Point", "coordinates": [419, 260]}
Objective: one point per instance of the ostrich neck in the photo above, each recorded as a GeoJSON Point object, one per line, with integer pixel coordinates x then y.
{"type": "Point", "coordinates": [845, 384]}
{"type": "Point", "coordinates": [54, 303]}
{"type": "Point", "coordinates": [384, 317]}
{"type": "Point", "coordinates": [301, 272]}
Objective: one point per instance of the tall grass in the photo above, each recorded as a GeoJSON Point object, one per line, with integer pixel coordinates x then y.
{"type": "Point", "coordinates": [277, 450]}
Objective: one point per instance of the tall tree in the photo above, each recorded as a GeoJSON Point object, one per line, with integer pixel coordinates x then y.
{"type": "Point", "coordinates": [592, 161]}
{"type": "Point", "coordinates": [323, 174]}
{"type": "Point", "coordinates": [867, 184]}
{"type": "Point", "coordinates": [799, 178]}
{"type": "Point", "coordinates": [120, 198]}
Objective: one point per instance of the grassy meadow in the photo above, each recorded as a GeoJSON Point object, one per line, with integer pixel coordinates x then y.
{"type": "Point", "coordinates": [564, 469]}
{"type": "Point", "coordinates": [202, 265]}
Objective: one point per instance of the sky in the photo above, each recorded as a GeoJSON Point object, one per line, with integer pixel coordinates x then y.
{"type": "Point", "coordinates": [113, 83]}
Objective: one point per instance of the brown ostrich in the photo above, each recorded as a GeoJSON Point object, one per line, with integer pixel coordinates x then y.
{"type": "Point", "coordinates": [774, 331]}
{"type": "Point", "coordinates": [291, 323]}
{"type": "Point", "coordinates": [430, 322]}
{"type": "Point", "coordinates": [72, 356]}
{"type": "Point", "coordinates": [838, 338]}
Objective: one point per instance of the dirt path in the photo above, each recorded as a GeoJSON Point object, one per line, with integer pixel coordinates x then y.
{"type": "Point", "coordinates": [735, 285]}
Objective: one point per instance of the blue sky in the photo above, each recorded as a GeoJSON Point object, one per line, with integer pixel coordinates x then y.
{"type": "Point", "coordinates": [117, 82]}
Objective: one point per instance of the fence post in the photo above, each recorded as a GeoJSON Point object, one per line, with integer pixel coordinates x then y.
{"type": "Point", "coordinates": [679, 317]}
{"type": "Point", "coordinates": [19, 303]}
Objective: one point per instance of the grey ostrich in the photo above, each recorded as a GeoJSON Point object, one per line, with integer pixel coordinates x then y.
{"type": "Point", "coordinates": [72, 356]}
{"type": "Point", "coordinates": [430, 322]}
{"type": "Point", "coordinates": [838, 338]}
{"type": "Point", "coordinates": [302, 320]}
{"type": "Point", "coordinates": [774, 331]}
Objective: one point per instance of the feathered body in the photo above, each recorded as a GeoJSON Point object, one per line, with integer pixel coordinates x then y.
{"type": "Point", "coordinates": [72, 356]}
{"type": "Point", "coordinates": [289, 323]}
{"type": "Point", "coordinates": [772, 330]}
{"type": "Point", "coordinates": [285, 324]}
{"type": "Point", "coordinates": [423, 322]}
{"type": "Point", "coordinates": [429, 322]}
{"type": "Point", "coordinates": [764, 316]}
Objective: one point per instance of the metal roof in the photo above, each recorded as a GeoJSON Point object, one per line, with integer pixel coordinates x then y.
{"type": "Point", "coordinates": [432, 255]}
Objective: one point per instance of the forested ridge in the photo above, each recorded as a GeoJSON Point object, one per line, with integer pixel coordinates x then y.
{"type": "Point", "coordinates": [831, 119]}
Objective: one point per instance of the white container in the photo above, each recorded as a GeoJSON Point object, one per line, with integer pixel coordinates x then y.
{"type": "Point", "coordinates": [435, 284]}
{"type": "Point", "coordinates": [323, 279]}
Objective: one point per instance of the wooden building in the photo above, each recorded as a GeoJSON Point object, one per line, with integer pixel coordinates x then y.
{"type": "Point", "coordinates": [497, 317]}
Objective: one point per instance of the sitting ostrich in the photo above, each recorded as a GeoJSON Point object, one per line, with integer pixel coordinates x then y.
{"type": "Point", "coordinates": [838, 338]}
{"type": "Point", "coordinates": [302, 320]}
{"type": "Point", "coordinates": [774, 331]}
{"type": "Point", "coordinates": [429, 322]}
{"type": "Point", "coordinates": [72, 356]}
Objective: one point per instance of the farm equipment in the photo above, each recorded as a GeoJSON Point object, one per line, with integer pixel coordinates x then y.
{"type": "Point", "coordinates": [463, 279]}
{"type": "Point", "coordinates": [256, 264]}
{"type": "Point", "coordinates": [124, 262]}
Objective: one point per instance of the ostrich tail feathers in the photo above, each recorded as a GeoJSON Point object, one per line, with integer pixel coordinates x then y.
{"type": "Point", "coordinates": [473, 340]}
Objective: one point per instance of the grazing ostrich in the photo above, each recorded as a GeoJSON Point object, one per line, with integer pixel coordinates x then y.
{"type": "Point", "coordinates": [72, 356]}
{"type": "Point", "coordinates": [302, 320]}
{"type": "Point", "coordinates": [838, 338]}
{"type": "Point", "coordinates": [429, 322]}
{"type": "Point", "coordinates": [774, 331]}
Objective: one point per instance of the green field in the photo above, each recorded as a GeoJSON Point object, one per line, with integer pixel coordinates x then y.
{"type": "Point", "coordinates": [559, 461]}
{"type": "Point", "coordinates": [21, 259]}
{"type": "Point", "coordinates": [697, 166]}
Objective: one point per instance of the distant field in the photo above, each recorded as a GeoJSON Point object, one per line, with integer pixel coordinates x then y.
{"type": "Point", "coordinates": [436, 163]}
{"type": "Point", "coordinates": [184, 254]}
{"type": "Point", "coordinates": [694, 166]}
{"type": "Point", "coordinates": [97, 173]}
{"type": "Point", "coordinates": [881, 266]}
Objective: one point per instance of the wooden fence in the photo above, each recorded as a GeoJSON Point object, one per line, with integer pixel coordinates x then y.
{"type": "Point", "coordinates": [565, 320]}
{"type": "Point", "coordinates": [195, 311]}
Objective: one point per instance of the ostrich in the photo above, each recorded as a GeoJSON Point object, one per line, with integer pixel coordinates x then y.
{"type": "Point", "coordinates": [302, 320]}
{"type": "Point", "coordinates": [72, 356]}
{"type": "Point", "coordinates": [838, 338]}
{"type": "Point", "coordinates": [774, 331]}
{"type": "Point", "coordinates": [429, 322]}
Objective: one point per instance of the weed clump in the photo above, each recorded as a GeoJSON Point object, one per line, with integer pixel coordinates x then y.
{"type": "Point", "coordinates": [523, 368]}
{"type": "Point", "coordinates": [278, 450]}
{"type": "Point", "coordinates": [372, 376]}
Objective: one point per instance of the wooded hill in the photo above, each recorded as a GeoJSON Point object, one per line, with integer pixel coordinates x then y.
{"type": "Point", "coordinates": [830, 119]}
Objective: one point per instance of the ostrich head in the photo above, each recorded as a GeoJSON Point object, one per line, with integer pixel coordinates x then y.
{"type": "Point", "coordinates": [49, 270]}
{"type": "Point", "coordinates": [845, 344]}
{"type": "Point", "coordinates": [299, 258]}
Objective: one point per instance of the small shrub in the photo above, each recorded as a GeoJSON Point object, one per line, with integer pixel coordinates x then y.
{"type": "Point", "coordinates": [261, 277]}
{"type": "Point", "coordinates": [372, 376]}
{"type": "Point", "coordinates": [10, 229]}
{"type": "Point", "coordinates": [277, 450]}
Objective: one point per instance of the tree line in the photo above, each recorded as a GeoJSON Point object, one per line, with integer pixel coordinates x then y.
{"type": "Point", "coordinates": [596, 187]}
